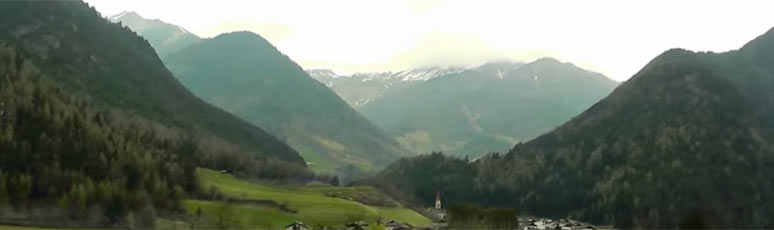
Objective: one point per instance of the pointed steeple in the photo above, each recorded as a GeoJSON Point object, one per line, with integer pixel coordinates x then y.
{"type": "Point", "coordinates": [438, 200]}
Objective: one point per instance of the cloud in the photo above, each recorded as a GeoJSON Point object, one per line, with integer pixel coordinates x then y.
{"type": "Point", "coordinates": [448, 49]}
{"type": "Point", "coordinates": [615, 38]}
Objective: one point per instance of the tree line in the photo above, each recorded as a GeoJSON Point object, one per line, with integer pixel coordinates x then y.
{"type": "Point", "coordinates": [67, 160]}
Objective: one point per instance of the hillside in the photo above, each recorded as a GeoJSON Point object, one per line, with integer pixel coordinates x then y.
{"type": "Point", "coordinates": [488, 108]}
{"type": "Point", "coordinates": [667, 147]}
{"type": "Point", "coordinates": [95, 132]}
{"type": "Point", "coordinates": [316, 205]}
{"type": "Point", "coordinates": [165, 38]}
{"type": "Point", "coordinates": [244, 74]}
{"type": "Point", "coordinates": [686, 142]}
{"type": "Point", "coordinates": [69, 42]}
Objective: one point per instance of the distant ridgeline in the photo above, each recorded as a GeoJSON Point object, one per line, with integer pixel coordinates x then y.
{"type": "Point", "coordinates": [686, 142]}
{"type": "Point", "coordinates": [474, 111]}
{"type": "Point", "coordinates": [94, 129]}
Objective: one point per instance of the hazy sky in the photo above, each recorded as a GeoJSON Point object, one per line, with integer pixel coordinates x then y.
{"type": "Point", "coordinates": [615, 38]}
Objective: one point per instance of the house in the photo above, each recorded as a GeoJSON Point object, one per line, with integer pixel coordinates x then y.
{"type": "Point", "coordinates": [357, 225]}
{"type": "Point", "coordinates": [437, 214]}
{"type": "Point", "coordinates": [394, 225]}
{"type": "Point", "coordinates": [298, 225]}
{"type": "Point", "coordinates": [437, 225]}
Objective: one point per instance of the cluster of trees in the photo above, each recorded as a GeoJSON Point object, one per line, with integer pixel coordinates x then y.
{"type": "Point", "coordinates": [97, 166]}
{"type": "Point", "coordinates": [417, 180]}
{"type": "Point", "coordinates": [472, 216]}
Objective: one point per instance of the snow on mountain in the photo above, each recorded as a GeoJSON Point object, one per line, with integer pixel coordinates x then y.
{"type": "Point", "coordinates": [360, 89]}
{"type": "Point", "coordinates": [116, 17]}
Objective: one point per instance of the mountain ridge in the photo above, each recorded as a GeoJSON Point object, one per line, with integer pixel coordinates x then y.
{"type": "Point", "coordinates": [165, 38]}
{"type": "Point", "coordinates": [465, 112]}
{"type": "Point", "coordinates": [245, 74]}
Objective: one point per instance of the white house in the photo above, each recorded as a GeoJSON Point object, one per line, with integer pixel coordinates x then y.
{"type": "Point", "coordinates": [298, 225]}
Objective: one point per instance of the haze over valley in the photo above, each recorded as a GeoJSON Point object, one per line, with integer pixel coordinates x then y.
{"type": "Point", "coordinates": [387, 115]}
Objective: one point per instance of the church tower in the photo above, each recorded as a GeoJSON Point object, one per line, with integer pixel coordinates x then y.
{"type": "Point", "coordinates": [438, 200]}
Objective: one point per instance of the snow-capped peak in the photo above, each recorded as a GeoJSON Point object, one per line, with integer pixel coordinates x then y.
{"type": "Point", "coordinates": [420, 74]}
{"type": "Point", "coordinates": [124, 14]}
{"type": "Point", "coordinates": [424, 74]}
{"type": "Point", "coordinates": [323, 72]}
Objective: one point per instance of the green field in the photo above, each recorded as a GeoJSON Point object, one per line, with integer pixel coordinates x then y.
{"type": "Point", "coordinates": [4, 227]}
{"type": "Point", "coordinates": [319, 162]}
{"type": "Point", "coordinates": [311, 203]}
{"type": "Point", "coordinates": [315, 205]}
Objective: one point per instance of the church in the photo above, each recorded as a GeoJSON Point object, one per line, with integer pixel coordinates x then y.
{"type": "Point", "coordinates": [437, 212]}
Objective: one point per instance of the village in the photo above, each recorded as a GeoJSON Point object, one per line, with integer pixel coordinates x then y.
{"type": "Point", "coordinates": [441, 221]}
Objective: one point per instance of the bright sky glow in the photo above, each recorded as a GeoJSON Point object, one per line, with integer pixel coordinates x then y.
{"type": "Point", "coordinates": [615, 38]}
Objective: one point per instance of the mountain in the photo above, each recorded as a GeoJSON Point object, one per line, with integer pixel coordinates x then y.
{"type": "Point", "coordinates": [128, 75]}
{"type": "Point", "coordinates": [165, 38]}
{"type": "Point", "coordinates": [474, 111]}
{"type": "Point", "coordinates": [686, 142]}
{"type": "Point", "coordinates": [95, 130]}
{"type": "Point", "coordinates": [362, 88]}
{"type": "Point", "coordinates": [244, 74]}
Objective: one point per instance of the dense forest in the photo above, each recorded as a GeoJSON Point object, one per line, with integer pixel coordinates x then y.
{"type": "Point", "coordinates": [95, 132]}
{"type": "Point", "coordinates": [686, 142]}
{"type": "Point", "coordinates": [98, 165]}
{"type": "Point", "coordinates": [415, 181]}
{"type": "Point", "coordinates": [80, 51]}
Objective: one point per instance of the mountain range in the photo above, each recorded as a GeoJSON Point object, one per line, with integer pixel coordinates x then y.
{"type": "Point", "coordinates": [360, 89]}
{"type": "Point", "coordinates": [241, 72]}
{"type": "Point", "coordinates": [686, 142]}
{"type": "Point", "coordinates": [473, 111]}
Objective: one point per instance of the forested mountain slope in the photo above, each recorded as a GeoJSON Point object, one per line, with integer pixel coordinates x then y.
{"type": "Point", "coordinates": [244, 74]}
{"type": "Point", "coordinates": [686, 142]}
{"type": "Point", "coordinates": [95, 132]}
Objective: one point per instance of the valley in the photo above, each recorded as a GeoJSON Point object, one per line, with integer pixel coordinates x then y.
{"type": "Point", "coordinates": [115, 120]}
